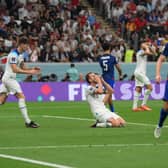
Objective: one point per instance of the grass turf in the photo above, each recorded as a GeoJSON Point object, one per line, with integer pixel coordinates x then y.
{"type": "Point", "coordinates": [71, 142]}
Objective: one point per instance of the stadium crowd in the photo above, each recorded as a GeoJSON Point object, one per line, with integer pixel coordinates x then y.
{"type": "Point", "coordinates": [136, 20]}
{"type": "Point", "coordinates": [66, 31]}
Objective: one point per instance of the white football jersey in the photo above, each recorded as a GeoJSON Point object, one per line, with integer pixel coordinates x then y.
{"type": "Point", "coordinates": [141, 62]}
{"type": "Point", "coordinates": [14, 57]}
{"type": "Point", "coordinates": [95, 100]}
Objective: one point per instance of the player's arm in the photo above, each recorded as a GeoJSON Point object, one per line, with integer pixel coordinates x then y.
{"type": "Point", "coordinates": [119, 70]}
{"type": "Point", "coordinates": [23, 66]}
{"type": "Point", "coordinates": [99, 90]}
{"type": "Point", "coordinates": [17, 69]}
{"type": "Point", "coordinates": [147, 50]}
{"type": "Point", "coordinates": [108, 91]}
{"type": "Point", "coordinates": [159, 62]}
{"type": "Point", "coordinates": [108, 88]}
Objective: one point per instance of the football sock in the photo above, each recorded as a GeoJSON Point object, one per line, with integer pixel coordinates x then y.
{"type": "Point", "coordinates": [146, 96]}
{"type": "Point", "coordinates": [108, 124]}
{"type": "Point", "coordinates": [163, 115]}
{"type": "Point", "coordinates": [104, 125]}
{"type": "Point", "coordinates": [111, 107]}
{"type": "Point", "coordinates": [136, 98]}
{"type": "Point", "coordinates": [101, 125]}
{"type": "Point", "coordinates": [23, 109]}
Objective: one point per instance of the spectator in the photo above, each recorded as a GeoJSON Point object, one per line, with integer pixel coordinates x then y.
{"type": "Point", "coordinates": [129, 55]}
{"type": "Point", "coordinates": [72, 74]}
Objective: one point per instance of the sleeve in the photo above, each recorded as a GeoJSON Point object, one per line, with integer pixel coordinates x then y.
{"type": "Point", "coordinates": [141, 53]}
{"type": "Point", "coordinates": [165, 51]}
{"type": "Point", "coordinates": [12, 58]}
{"type": "Point", "coordinates": [91, 90]}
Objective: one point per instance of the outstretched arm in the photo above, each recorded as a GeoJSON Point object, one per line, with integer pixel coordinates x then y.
{"type": "Point", "coordinates": [24, 70]}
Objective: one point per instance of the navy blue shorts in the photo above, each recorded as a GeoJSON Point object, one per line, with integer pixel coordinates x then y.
{"type": "Point", "coordinates": [110, 82]}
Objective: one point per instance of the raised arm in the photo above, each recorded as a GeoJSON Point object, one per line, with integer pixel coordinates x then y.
{"type": "Point", "coordinates": [148, 50]}
{"type": "Point", "coordinates": [108, 88]}
{"type": "Point", "coordinates": [99, 90]}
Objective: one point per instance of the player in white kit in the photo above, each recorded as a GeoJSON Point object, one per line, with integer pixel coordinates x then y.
{"type": "Point", "coordinates": [15, 64]}
{"type": "Point", "coordinates": [97, 94]}
{"type": "Point", "coordinates": [141, 79]}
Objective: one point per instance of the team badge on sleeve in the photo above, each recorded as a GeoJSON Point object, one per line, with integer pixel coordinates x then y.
{"type": "Point", "coordinates": [13, 60]}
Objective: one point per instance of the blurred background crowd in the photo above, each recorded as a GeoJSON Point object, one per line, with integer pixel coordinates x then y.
{"type": "Point", "coordinates": [68, 31]}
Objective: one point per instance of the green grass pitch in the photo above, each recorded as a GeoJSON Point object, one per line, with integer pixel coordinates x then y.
{"type": "Point", "coordinates": [66, 140]}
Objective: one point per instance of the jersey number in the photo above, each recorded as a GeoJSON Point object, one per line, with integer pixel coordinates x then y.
{"type": "Point", "coordinates": [105, 66]}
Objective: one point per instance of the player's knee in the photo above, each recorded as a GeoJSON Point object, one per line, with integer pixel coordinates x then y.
{"type": "Point", "coordinates": [20, 95]}
{"type": "Point", "coordinates": [3, 98]}
{"type": "Point", "coordinates": [148, 91]}
{"type": "Point", "coordinates": [123, 123]}
{"type": "Point", "coordinates": [149, 87]}
{"type": "Point", "coordinates": [2, 102]}
{"type": "Point", "coordinates": [116, 123]}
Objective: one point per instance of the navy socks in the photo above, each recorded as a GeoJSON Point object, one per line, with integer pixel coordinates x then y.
{"type": "Point", "coordinates": [163, 115]}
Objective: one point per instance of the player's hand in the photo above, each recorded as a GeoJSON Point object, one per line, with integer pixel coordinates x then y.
{"type": "Point", "coordinates": [37, 68]}
{"type": "Point", "coordinates": [97, 78]}
{"type": "Point", "coordinates": [122, 77]}
{"type": "Point", "coordinates": [158, 79]}
{"type": "Point", "coordinates": [34, 71]}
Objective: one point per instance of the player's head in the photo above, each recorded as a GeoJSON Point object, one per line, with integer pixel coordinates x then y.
{"type": "Point", "coordinates": [23, 43]}
{"type": "Point", "coordinates": [88, 77]}
{"type": "Point", "coordinates": [106, 46]}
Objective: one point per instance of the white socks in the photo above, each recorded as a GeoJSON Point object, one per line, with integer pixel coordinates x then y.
{"type": "Point", "coordinates": [146, 96]}
{"type": "Point", "coordinates": [136, 98]}
{"type": "Point", "coordinates": [104, 125]}
{"type": "Point", "coordinates": [23, 109]}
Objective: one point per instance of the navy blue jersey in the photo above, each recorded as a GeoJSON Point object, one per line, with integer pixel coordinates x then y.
{"type": "Point", "coordinates": [107, 63]}
{"type": "Point", "coordinates": [165, 51]}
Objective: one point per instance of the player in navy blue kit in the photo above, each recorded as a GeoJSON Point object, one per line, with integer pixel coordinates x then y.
{"type": "Point", "coordinates": [108, 63]}
{"type": "Point", "coordinates": [164, 109]}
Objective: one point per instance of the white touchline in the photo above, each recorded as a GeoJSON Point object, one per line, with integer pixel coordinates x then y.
{"type": "Point", "coordinates": [88, 119]}
{"type": "Point", "coordinates": [33, 161]}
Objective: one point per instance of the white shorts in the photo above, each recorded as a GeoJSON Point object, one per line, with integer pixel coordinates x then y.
{"type": "Point", "coordinates": [141, 79]}
{"type": "Point", "coordinates": [103, 116]}
{"type": "Point", "coordinates": [10, 86]}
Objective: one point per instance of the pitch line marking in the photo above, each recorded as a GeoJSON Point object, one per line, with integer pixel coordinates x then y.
{"type": "Point", "coordinates": [88, 119]}
{"type": "Point", "coordinates": [33, 161]}
{"type": "Point", "coordinates": [79, 146]}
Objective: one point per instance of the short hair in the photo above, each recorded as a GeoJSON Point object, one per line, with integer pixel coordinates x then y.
{"type": "Point", "coordinates": [23, 40]}
{"type": "Point", "coordinates": [106, 46]}
{"type": "Point", "coordinates": [72, 65]}
{"type": "Point", "coordinates": [87, 77]}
